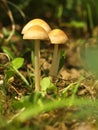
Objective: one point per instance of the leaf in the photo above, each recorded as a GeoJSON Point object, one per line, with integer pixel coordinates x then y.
{"type": "Point", "coordinates": [15, 65]}
{"type": "Point", "coordinates": [47, 85]}
{"type": "Point", "coordinates": [17, 62]}
{"type": "Point", "coordinates": [5, 32]}
{"type": "Point", "coordinates": [8, 51]}
{"type": "Point", "coordinates": [62, 59]}
{"type": "Point", "coordinates": [9, 74]}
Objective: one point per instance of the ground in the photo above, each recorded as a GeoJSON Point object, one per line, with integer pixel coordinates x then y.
{"type": "Point", "coordinates": [63, 118]}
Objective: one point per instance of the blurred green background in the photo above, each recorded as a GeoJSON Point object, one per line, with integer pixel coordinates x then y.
{"type": "Point", "coordinates": [81, 14]}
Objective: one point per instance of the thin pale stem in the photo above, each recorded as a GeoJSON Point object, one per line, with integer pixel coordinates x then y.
{"type": "Point", "coordinates": [37, 65]}
{"type": "Point", "coordinates": [55, 61]}
{"type": "Point", "coordinates": [22, 77]}
{"type": "Point", "coordinates": [9, 12]}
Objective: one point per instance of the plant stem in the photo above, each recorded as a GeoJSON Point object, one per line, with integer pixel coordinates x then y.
{"type": "Point", "coordinates": [90, 16]}
{"type": "Point", "coordinates": [37, 65]}
{"type": "Point", "coordinates": [55, 61]}
{"type": "Point", "coordinates": [22, 77]}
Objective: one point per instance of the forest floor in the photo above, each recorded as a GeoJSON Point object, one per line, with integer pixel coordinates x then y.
{"type": "Point", "coordinates": [64, 118]}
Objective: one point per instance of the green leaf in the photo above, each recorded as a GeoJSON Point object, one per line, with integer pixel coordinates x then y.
{"type": "Point", "coordinates": [76, 24]}
{"type": "Point", "coordinates": [15, 65]}
{"type": "Point", "coordinates": [17, 62]}
{"type": "Point", "coordinates": [8, 52]}
{"type": "Point", "coordinates": [47, 85]}
{"type": "Point", "coordinates": [62, 59]}
{"type": "Point", "coordinates": [9, 74]}
{"type": "Point", "coordinates": [5, 32]}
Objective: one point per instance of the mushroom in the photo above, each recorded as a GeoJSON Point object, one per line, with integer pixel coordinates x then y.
{"type": "Point", "coordinates": [37, 33]}
{"type": "Point", "coordinates": [36, 21]}
{"type": "Point", "coordinates": [57, 37]}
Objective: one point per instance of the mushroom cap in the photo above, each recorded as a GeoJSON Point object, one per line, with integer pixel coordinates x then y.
{"type": "Point", "coordinates": [57, 36]}
{"type": "Point", "coordinates": [36, 21]}
{"type": "Point", "coordinates": [36, 32]}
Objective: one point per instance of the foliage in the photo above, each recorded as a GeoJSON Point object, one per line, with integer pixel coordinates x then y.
{"type": "Point", "coordinates": [13, 66]}
{"type": "Point", "coordinates": [79, 12]}
{"type": "Point", "coordinates": [47, 86]}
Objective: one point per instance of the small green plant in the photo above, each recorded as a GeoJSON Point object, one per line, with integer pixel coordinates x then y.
{"type": "Point", "coordinates": [13, 67]}
{"type": "Point", "coordinates": [47, 86]}
{"type": "Point", "coordinates": [8, 51]}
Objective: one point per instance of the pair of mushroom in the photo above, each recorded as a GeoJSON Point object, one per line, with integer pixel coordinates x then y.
{"type": "Point", "coordinates": [38, 29]}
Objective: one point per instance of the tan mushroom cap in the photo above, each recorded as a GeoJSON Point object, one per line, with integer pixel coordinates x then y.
{"type": "Point", "coordinates": [36, 21]}
{"type": "Point", "coordinates": [57, 36]}
{"type": "Point", "coordinates": [36, 32]}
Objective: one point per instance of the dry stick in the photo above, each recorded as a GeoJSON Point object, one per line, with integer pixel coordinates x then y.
{"type": "Point", "coordinates": [13, 26]}
{"type": "Point", "coordinates": [11, 19]}
{"type": "Point", "coordinates": [55, 61]}
{"type": "Point", "coordinates": [37, 65]}
{"type": "Point", "coordinates": [18, 9]}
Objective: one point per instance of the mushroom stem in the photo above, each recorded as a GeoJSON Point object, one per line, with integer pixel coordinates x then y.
{"type": "Point", "coordinates": [55, 61]}
{"type": "Point", "coordinates": [37, 65]}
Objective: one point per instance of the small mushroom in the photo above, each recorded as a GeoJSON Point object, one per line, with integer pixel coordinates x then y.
{"type": "Point", "coordinates": [36, 33]}
{"type": "Point", "coordinates": [57, 37]}
{"type": "Point", "coordinates": [36, 21]}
